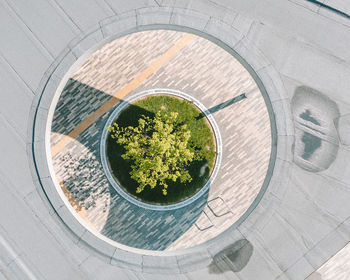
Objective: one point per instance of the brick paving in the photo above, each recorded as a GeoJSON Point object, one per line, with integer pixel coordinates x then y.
{"type": "Point", "coordinates": [209, 74]}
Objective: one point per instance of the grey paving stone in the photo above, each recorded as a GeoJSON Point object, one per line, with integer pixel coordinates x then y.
{"type": "Point", "coordinates": [156, 264]}
{"type": "Point", "coordinates": [337, 267]}
{"type": "Point", "coordinates": [189, 262]}
{"type": "Point", "coordinates": [207, 275]}
{"type": "Point", "coordinates": [267, 268]}
{"type": "Point", "coordinates": [223, 32]}
{"type": "Point", "coordinates": [343, 130]}
{"type": "Point", "coordinates": [189, 18]}
{"type": "Point", "coordinates": [19, 98]}
{"type": "Point", "coordinates": [284, 122]}
{"type": "Point", "coordinates": [150, 15]}
{"type": "Point", "coordinates": [280, 237]}
{"type": "Point", "coordinates": [308, 5]}
{"type": "Point", "coordinates": [45, 34]}
{"type": "Point", "coordinates": [81, 44]}
{"type": "Point", "coordinates": [326, 248]}
{"type": "Point", "coordinates": [251, 54]}
{"type": "Point", "coordinates": [97, 269]}
{"type": "Point", "coordinates": [21, 217]}
{"type": "Point", "coordinates": [125, 259]}
{"type": "Point", "coordinates": [40, 126]}
{"type": "Point", "coordinates": [31, 57]}
{"type": "Point", "coordinates": [273, 83]}
{"type": "Point", "coordinates": [85, 14]}
{"type": "Point", "coordinates": [118, 24]}
{"type": "Point", "coordinates": [121, 7]}
{"type": "Point", "coordinates": [333, 15]}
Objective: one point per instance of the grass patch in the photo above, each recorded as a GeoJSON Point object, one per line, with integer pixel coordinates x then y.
{"type": "Point", "coordinates": [201, 136]}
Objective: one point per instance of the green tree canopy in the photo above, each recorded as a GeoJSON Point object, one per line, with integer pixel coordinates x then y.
{"type": "Point", "coordinates": [159, 148]}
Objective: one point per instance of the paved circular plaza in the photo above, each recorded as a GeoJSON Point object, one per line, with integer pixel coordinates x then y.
{"type": "Point", "coordinates": [150, 60]}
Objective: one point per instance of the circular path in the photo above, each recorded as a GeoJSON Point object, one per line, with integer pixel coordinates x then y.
{"type": "Point", "coordinates": [160, 59]}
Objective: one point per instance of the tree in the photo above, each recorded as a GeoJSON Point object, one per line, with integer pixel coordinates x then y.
{"type": "Point", "coordinates": [159, 148]}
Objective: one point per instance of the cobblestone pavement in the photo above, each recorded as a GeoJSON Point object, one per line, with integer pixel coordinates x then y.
{"type": "Point", "coordinates": [199, 68]}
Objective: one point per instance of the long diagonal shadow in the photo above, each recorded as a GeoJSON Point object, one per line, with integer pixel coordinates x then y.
{"type": "Point", "coordinates": [82, 174]}
{"type": "Point", "coordinates": [222, 105]}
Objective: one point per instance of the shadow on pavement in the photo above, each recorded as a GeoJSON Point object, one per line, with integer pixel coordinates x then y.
{"type": "Point", "coordinates": [233, 258]}
{"type": "Point", "coordinates": [81, 172]}
{"type": "Point", "coordinates": [222, 105]}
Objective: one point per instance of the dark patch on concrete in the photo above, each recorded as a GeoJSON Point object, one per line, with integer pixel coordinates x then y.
{"type": "Point", "coordinates": [316, 122]}
{"type": "Point", "coordinates": [311, 144]}
{"type": "Point", "coordinates": [233, 258]}
{"type": "Point", "coordinates": [307, 116]}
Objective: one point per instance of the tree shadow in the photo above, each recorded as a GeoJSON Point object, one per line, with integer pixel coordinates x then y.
{"type": "Point", "coordinates": [147, 229]}
{"type": "Point", "coordinates": [81, 172]}
{"type": "Point", "coordinates": [233, 258]}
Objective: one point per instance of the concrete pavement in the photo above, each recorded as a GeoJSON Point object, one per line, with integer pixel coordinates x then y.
{"type": "Point", "coordinates": [302, 220]}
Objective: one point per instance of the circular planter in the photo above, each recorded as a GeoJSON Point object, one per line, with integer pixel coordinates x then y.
{"type": "Point", "coordinates": [50, 89]}
{"type": "Point", "coordinates": [117, 186]}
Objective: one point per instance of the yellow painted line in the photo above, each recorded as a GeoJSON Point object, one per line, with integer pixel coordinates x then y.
{"type": "Point", "coordinates": [155, 66]}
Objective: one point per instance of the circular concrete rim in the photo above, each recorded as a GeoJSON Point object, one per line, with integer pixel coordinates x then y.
{"type": "Point", "coordinates": [121, 106]}
{"type": "Point", "coordinates": [158, 18]}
